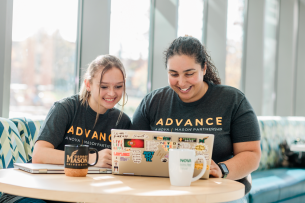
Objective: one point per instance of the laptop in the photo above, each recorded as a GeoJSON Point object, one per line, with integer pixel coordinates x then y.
{"type": "Point", "coordinates": [145, 153]}
{"type": "Point", "coordinates": [53, 168]}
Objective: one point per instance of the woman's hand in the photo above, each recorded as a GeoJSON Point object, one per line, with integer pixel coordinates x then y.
{"type": "Point", "coordinates": [104, 158]}
{"type": "Point", "coordinates": [215, 170]}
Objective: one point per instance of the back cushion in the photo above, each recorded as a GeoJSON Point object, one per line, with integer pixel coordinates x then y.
{"type": "Point", "coordinates": [11, 146]}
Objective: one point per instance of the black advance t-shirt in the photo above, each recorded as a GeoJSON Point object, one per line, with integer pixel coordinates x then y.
{"type": "Point", "coordinates": [223, 111]}
{"type": "Point", "coordinates": [70, 122]}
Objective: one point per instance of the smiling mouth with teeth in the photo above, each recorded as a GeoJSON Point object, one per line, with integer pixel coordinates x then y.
{"type": "Point", "coordinates": [185, 88]}
{"type": "Point", "coordinates": [109, 99]}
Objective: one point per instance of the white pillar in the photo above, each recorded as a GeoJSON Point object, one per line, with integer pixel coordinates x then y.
{"type": "Point", "coordinates": [253, 59]}
{"type": "Point", "coordinates": [300, 63]}
{"type": "Point", "coordinates": [216, 34]}
{"type": "Point", "coordinates": [6, 17]}
{"type": "Point", "coordinates": [162, 32]}
{"type": "Point", "coordinates": [94, 31]}
{"type": "Point", "coordinates": [285, 94]}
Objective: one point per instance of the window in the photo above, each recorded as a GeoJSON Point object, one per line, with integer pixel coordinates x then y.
{"type": "Point", "coordinates": [129, 41]}
{"type": "Point", "coordinates": [190, 18]}
{"type": "Point", "coordinates": [235, 21]}
{"type": "Point", "coordinates": [43, 55]}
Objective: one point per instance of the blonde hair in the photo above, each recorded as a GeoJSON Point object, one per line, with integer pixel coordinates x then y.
{"type": "Point", "coordinates": [105, 62]}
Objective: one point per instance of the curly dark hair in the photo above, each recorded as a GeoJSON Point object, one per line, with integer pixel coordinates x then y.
{"type": "Point", "coordinates": [191, 46]}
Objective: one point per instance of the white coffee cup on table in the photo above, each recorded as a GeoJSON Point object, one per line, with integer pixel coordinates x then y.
{"type": "Point", "coordinates": [181, 166]}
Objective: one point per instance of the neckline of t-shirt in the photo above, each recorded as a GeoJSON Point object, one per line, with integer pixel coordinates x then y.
{"type": "Point", "coordinates": [198, 101]}
{"type": "Point", "coordinates": [93, 113]}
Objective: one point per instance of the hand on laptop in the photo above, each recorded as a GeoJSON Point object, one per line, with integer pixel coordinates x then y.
{"type": "Point", "coordinates": [104, 158]}
{"type": "Point", "coordinates": [215, 170]}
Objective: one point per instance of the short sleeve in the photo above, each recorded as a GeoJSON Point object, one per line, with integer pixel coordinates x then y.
{"type": "Point", "coordinates": [140, 120]}
{"type": "Point", "coordinates": [55, 125]}
{"type": "Point", "coordinates": [244, 125]}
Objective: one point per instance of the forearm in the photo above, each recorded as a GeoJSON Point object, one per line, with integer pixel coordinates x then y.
{"type": "Point", "coordinates": [45, 155]}
{"type": "Point", "coordinates": [242, 164]}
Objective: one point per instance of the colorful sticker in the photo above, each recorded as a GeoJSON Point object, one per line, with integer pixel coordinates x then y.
{"type": "Point", "coordinates": [151, 145]}
{"type": "Point", "coordinates": [148, 155]}
{"type": "Point", "coordinates": [200, 166]}
{"type": "Point", "coordinates": [116, 169]}
{"type": "Point", "coordinates": [134, 143]}
{"type": "Point", "coordinates": [167, 145]}
{"type": "Point", "coordinates": [200, 147]}
{"type": "Point", "coordinates": [140, 136]}
{"type": "Point", "coordinates": [202, 140]}
{"type": "Point", "coordinates": [121, 153]}
{"type": "Point", "coordinates": [124, 159]}
{"type": "Point", "coordinates": [117, 145]}
{"type": "Point", "coordinates": [162, 138]}
{"type": "Point", "coordinates": [187, 139]}
{"type": "Point", "coordinates": [136, 156]}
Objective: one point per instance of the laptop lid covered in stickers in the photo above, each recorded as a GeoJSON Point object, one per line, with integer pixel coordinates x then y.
{"type": "Point", "coordinates": [136, 152]}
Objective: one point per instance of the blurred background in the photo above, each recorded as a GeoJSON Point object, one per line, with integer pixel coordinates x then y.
{"type": "Point", "coordinates": [257, 46]}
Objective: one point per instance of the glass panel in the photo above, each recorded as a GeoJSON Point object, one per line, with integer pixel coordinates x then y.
{"type": "Point", "coordinates": [190, 18]}
{"type": "Point", "coordinates": [270, 45]}
{"type": "Point", "coordinates": [129, 40]}
{"type": "Point", "coordinates": [43, 55]}
{"type": "Point", "coordinates": [235, 22]}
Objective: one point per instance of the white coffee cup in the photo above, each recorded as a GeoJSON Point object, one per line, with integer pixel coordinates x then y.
{"type": "Point", "coordinates": [181, 166]}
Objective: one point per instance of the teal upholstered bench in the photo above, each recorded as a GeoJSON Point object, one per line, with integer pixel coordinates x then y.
{"type": "Point", "coordinates": [271, 182]}
{"type": "Point", "coordinates": [17, 139]}
{"type": "Point", "coordinates": [28, 130]}
{"type": "Point", "coordinates": [11, 146]}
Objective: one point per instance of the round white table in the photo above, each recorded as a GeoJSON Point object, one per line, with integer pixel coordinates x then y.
{"type": "Point", "coordinates": [116, 188]}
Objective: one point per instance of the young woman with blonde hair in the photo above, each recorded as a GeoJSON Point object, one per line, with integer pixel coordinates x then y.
{"type": "Point", "coordinates": [84, 118]}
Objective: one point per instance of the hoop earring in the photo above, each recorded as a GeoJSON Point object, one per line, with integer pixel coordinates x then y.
{"type": "Point", "coordinates": [126, 100]}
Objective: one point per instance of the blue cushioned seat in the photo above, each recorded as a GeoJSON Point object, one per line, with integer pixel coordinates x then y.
{"type": "Point", "coordinates": [277, 184]}
{"type": "Point", "coordinates": [11, 146]}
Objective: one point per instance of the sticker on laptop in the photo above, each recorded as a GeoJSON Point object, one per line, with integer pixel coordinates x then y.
{"type": "Point", "coordinates": [121, 153]}
{"type": "Point", "coordinates": [201, 147]}
{"type": "Point", "coordinates": [151, 145]}
{"type": "Point", "coordinates": [148, 155]}
{"type": "Point", "coordinates": [120, 134]}
{"type": "Point", "coordinates": [162, 138]}
{"type": "Point", "coordinates": [164, 160]}
{"type": "Point", "coordinates": [124, 158]}
{"type": "Point", "coordinates": [187, 139]}
{"type": "Point", "coordinates": [198, 166]}
{"type": "Point", "coordinates": [117, 145]}
{"type": "Point", "coordinates": [202, 140]}
{"type": "Point", "coordinates": [136, 156]}
{"type": "Point", "coordinates": [115, 169]}
{"type": "Point", "coordinates": [167, 145]}
{"type": "Point", "coordinates": [134, 143]}
{"type": "Point", "coordinates": [183, 145]}
{"type": "Point", "coordinates": [140, 136]}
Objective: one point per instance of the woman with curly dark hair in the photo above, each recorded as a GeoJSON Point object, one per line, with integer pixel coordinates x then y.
{"type": "Point", "coordinates": [196, 102]}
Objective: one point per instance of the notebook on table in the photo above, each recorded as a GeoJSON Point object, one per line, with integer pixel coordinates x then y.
{"type": "Point", "coordinates": [52, 168]}
{"type": "Point", "coordinates": [136, 152]}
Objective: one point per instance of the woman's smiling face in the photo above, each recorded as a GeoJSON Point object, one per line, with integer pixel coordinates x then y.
{"type": "Point", "coordinates": [107, 93]}
{"type": "Point", "coordinates": [185, 77]}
